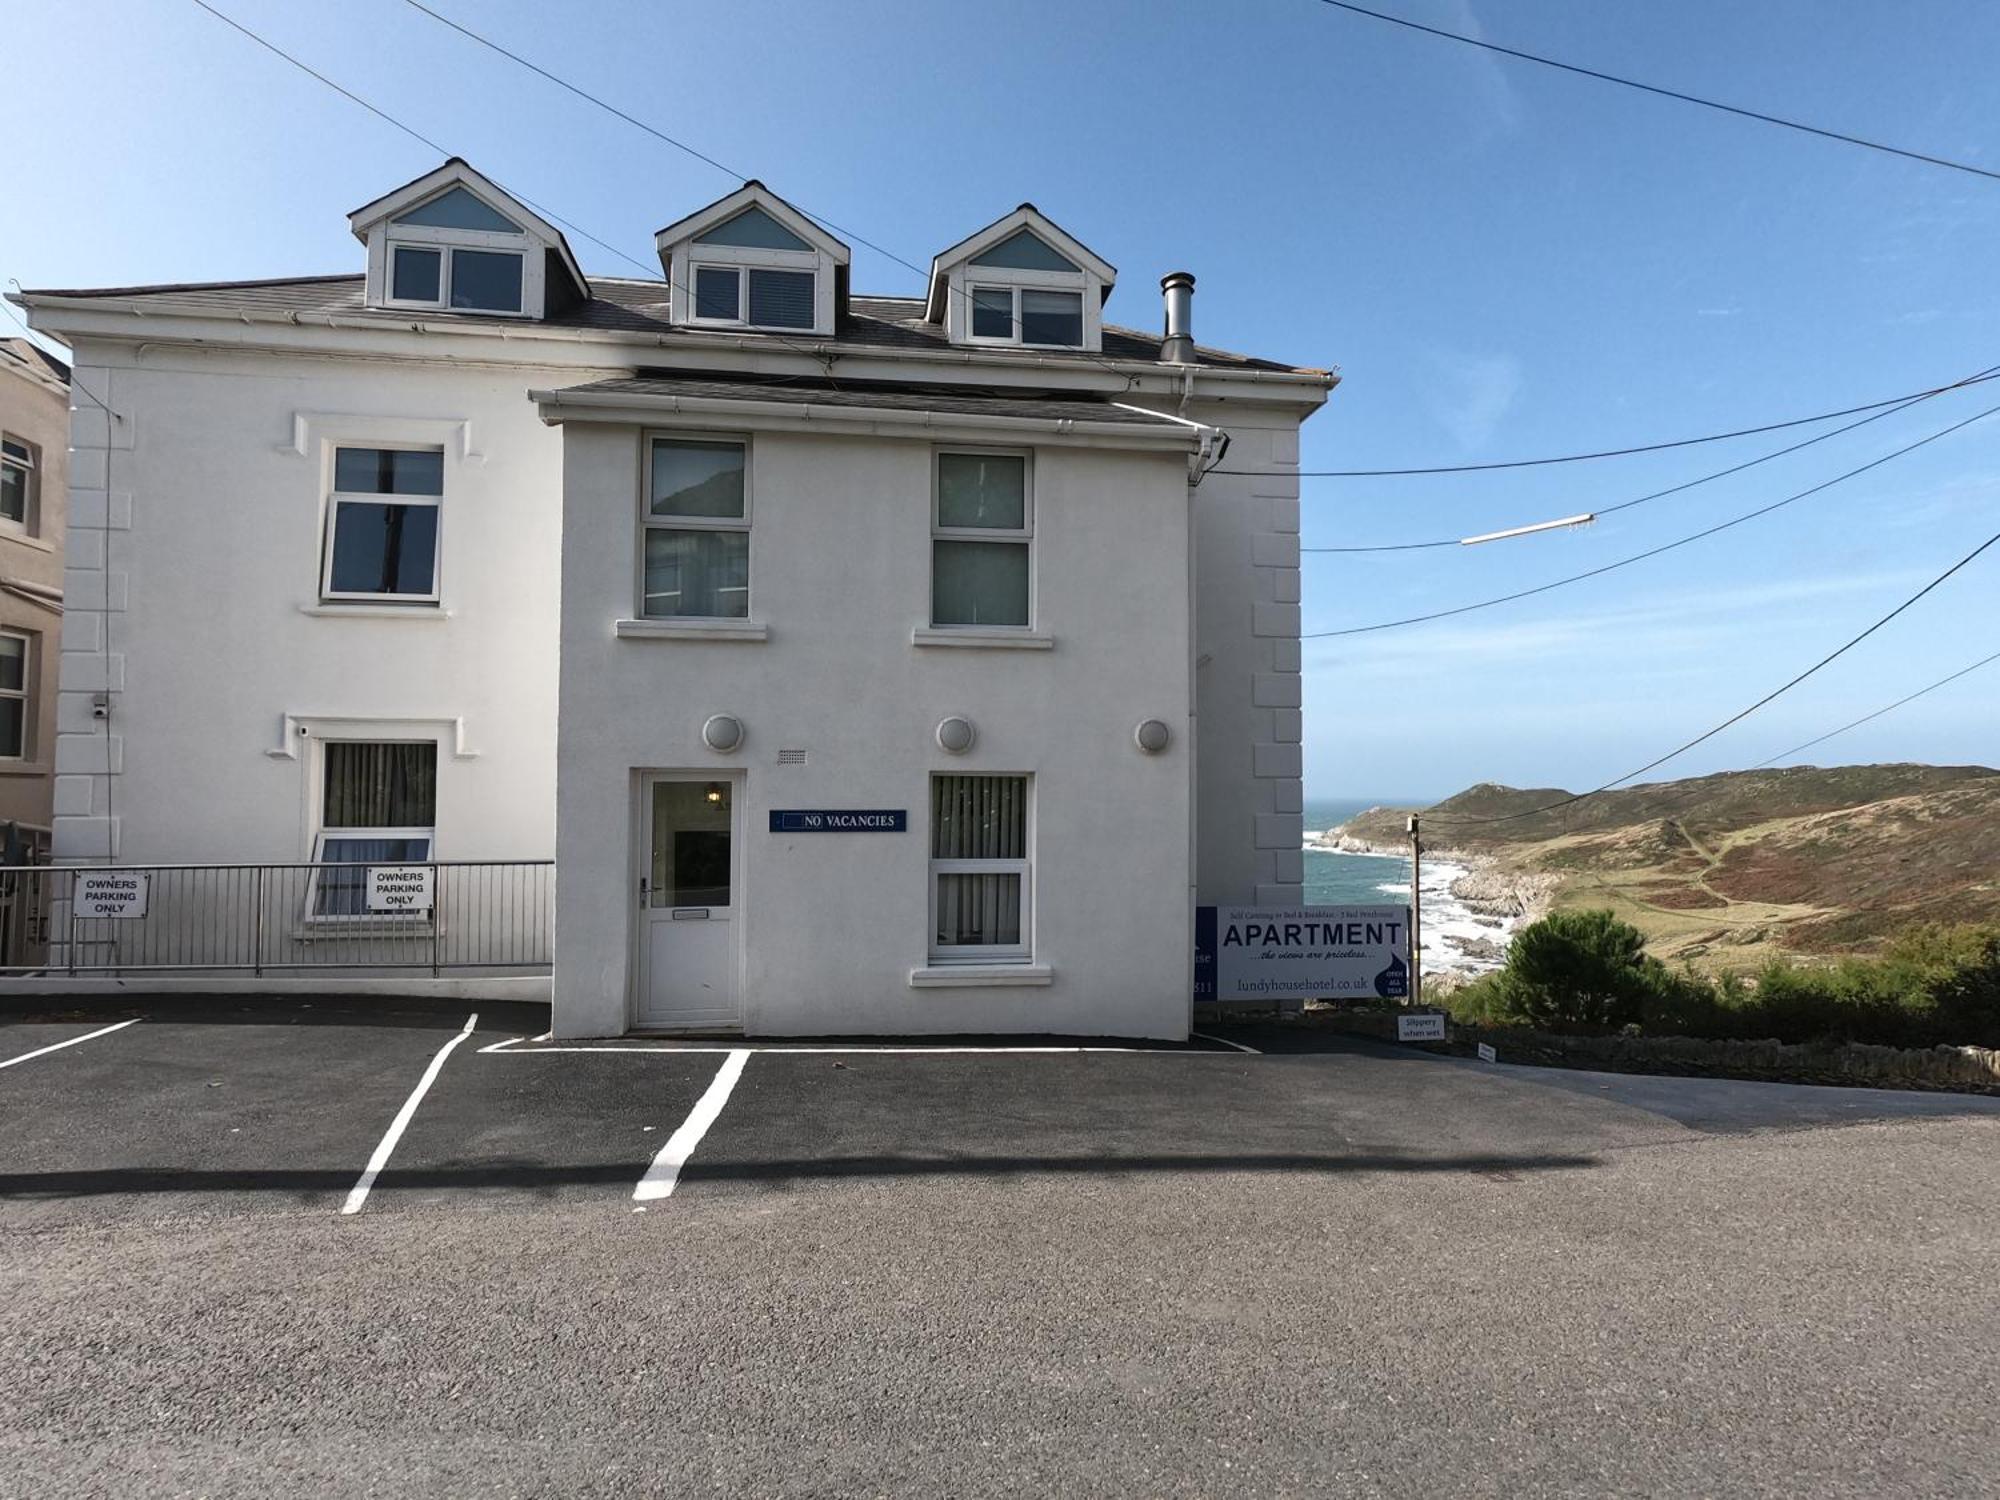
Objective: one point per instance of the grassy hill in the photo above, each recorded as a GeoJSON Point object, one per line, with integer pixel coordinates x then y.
{"type": "Point", "coordinates": [1724, 869]}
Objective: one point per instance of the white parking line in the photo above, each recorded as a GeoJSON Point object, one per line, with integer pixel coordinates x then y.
{"type": "Point", "coordinates": [358, 1194]}
{"type": "Point", "coordinates": [666, 1168]}
{"type": "Point", "coordinates": [1204, 1036]}
{"type": "Point", "coordinates": [57, 1047]}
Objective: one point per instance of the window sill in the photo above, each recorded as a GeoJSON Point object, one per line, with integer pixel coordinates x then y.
{"type": "Point", "coordinates": [691, 630]}
{"type": "Point", "coordinates": [981, 638]}
{"type": "Point", "coordinates": [9, 531]}
{"type": "Point", "coordinates": [335, 611]}
{"type": "Point", "coordinates": [25, 768]}
{"type": "Point", "coordinates": [980, 976]}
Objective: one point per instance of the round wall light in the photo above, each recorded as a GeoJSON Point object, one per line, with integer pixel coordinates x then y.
{"type": "Point", "coordinates": [1152, 736]}
{"type": "Point", "coordinates": [955, 735]}
{"type": "Point", "coordinates": [722, 733]}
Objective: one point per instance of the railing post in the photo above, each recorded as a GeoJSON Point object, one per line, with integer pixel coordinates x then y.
{"type": "Point", "coordinates": [72, 922]}
{"type": "Point", "coordinates": [437, 916]}
{"type": "Point", "coordinates": [257, 940]}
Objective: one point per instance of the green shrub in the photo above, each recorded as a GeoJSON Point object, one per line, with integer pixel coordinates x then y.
{"type": "Point", "coordinates": [1586, 971]}
{"type": "Point", "coordinates": [1581, 971]}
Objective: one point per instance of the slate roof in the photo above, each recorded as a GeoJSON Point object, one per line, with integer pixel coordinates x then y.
{"type": "Point", "coordinates": [33, 358]}
{"type": "Point", "coordinates": [876, 395]}
{"type": "Point", "coordinates": [623, 305]}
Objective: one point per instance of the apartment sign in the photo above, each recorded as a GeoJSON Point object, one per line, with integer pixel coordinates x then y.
{"type": "Point", "coordinates": [400, 888]}
{"type": "Point", "coordinates": [1310, 952]}
{"type": "Point", "coordinates": [117, 894]}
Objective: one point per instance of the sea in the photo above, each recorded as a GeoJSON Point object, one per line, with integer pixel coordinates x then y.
{"type": "Point", "coordinates": [1352, 879]}
{"type": "Point", "coordinates": [1456, 939]}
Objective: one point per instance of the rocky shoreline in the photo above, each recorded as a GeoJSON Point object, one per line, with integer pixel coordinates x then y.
{"type": "Point", "coordinates": [1473, 904]}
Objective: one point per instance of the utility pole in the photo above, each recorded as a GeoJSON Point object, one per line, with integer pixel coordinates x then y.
{"type": "Point", "coordinates": [1416, 914]}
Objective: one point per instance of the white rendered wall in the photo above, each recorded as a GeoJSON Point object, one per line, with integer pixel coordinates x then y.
{"type": "Point", "coordinates": [833, 924]}
{"type": "Point", "coordinates": [1249, 793]}
{"type": "Point", "coordinates": [196, 539]}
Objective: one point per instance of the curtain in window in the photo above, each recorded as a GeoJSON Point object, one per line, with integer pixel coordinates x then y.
{"type": "Point", "coordinates": [373, 785]}
{"type": "Point", "coordinates": [979, 583]}
{"type": "Point", "coordinates": [979, 817]}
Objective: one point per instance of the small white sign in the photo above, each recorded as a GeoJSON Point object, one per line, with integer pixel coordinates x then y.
{"type": "Point", "coordinates": [1420, 1028]}
{"type": "Point", "coordinates": [112, 893]}
{"type": "Point", "coordinates": [1487, 1054]}
{"type": "Point", "coordinates": [400, 888]}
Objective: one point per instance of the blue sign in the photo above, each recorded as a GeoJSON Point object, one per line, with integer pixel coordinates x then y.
{"type": "Point", "coordinates": [837, 820]}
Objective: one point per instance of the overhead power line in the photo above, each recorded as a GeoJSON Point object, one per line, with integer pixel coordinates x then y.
{"type": "Point", "coordinates": [1889, 708]}
{"type": "Point", "coordinates": [702, 156]}
{"type": "Point", "coordinates": [651, 269]}
{"type": "Point", "coordinates": [1665, 93]}
{"type": "Point", "coordinates": [1578, 458]}
{"type": "Point", "coordinates": [411, 131]}
{"type": "Point", "coordinates": [1626, 562]}
{"type": "Point", "coordinates": [1741, 715]}
{"type": "Point", "coordinates": [416, 135]}
{"type": "Point", "coordinates": [652, 130]}
{"type": "Point", "coordinates": [1901, 404]}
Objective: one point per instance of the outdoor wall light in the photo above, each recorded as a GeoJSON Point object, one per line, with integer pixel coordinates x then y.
{"type": "Point", "coordinates": [1152, 736]}
{"type": "Point", "coordinates": [722, 733]}
{"type": "Point", "coordinates": [955, 735]}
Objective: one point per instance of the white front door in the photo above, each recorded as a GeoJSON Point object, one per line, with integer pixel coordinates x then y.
{"type": "Point", "coordinates": [687, 903]}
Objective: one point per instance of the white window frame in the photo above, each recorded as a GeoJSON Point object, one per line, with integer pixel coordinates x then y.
{"type": "Point", "coordinates": [971, 279]}
{"type": "Point", "coordinates": [742, 259]}
{"type": "Point", "coordinates": [446, 242]}
{"type": "Point", "coordinates": [973, 954]}
{"type": "Point", "coordinates": [1025, 536]}
{"type": "Point", "coordinates": [29, 469]}
{"type": "Point", "coordinates": [314, 917]}
{"type": "Point", "coordinates": [24, 694]}
{"type": "Point", "coordinates": [330, 524]}
{"type": "Point", "coordinates": [311, 916]}
{"type": "Point", "coordinates": [650, 522]}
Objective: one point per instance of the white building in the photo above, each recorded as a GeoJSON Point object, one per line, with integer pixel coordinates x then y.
{"type": "Point", "coordinates": [470, 557]}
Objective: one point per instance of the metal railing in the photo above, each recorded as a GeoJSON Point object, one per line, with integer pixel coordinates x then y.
{"type": "Point", "coordinates": [494, 917]}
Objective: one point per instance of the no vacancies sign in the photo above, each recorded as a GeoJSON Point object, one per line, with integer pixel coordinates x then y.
{"type": "Point", "coordinates": [1306, 952]}
{"type": "Point", "coordinates": [840, 820]}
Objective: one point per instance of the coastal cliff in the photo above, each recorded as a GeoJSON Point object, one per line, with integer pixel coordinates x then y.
{"type": "Point", "coordinates": [1723, 871]}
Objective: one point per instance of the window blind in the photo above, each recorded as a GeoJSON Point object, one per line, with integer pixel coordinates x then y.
{"type": "Point", "coordinates": [781, 299]}
{"type": "Point", "coordinates": [979, 817]}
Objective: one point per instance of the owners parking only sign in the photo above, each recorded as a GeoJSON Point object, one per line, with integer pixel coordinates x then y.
{"type": "Point", "coordinates": [112, 893]}
{"type": "Point", "coordinates": [394, 889]}
{"type": "Point", "coordinates": [1311, 952]}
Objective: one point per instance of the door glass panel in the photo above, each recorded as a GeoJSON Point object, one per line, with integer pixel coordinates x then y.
{"type": "Point", "coordinates": [690, 865]}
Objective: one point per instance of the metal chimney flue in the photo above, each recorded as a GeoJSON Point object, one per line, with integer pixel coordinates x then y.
{"type": "Point", "coordinates": [1177, 348]}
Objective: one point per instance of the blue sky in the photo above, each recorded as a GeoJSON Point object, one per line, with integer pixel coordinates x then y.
{"type": "Point", "coordinates": [1503, 262]}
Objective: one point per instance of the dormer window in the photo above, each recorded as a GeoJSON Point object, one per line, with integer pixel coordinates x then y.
{"type": "Point", "coordinates": [453, 241]}
{"type": "Point", "coordinates": [753, 262]}
{"type": "Point", "coordinates": [1024, 281]}
{"type": "Point", "coordinates": [457, 251]}
{"type": "Point", "coordinates": [470, 280]}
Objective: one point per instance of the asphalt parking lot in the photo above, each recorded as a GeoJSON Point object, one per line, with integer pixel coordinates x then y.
{"type": "Point", "coordinates": [359, 1248]}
